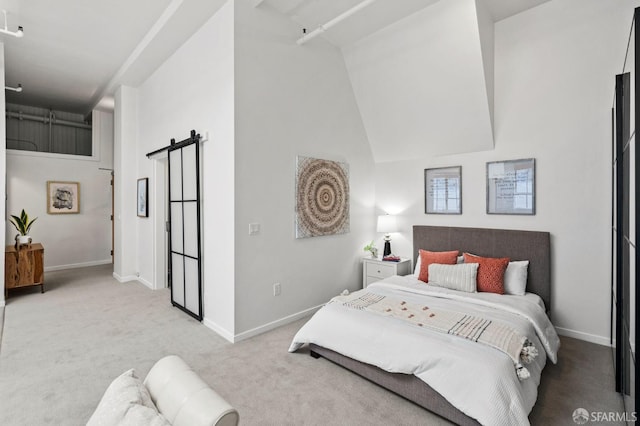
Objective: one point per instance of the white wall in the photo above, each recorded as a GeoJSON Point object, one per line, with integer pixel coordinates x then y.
{"type": "Point", "coordinates": [264, 100]}
{"type": "Point", "coordinates": [420, 83]}
{"type": "Point", "coordinates": [487, 45]}
{"type": "Point", "coordinates": [70, 240]}
{"type": "Point", "coordinates": [555, 68]}
{"type": "Point", "coordinates": [194, 89]}
{"type": "Point", "coordinates": [292, 100]}
{"type": "Point", "coordinates": [3, 158]}
{"type": "Point", "coordinates": [125, 233]}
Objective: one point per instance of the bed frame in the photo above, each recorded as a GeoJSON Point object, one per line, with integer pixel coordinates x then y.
{"type": "Point", "coordinates": [517, 245]}
{"type": "Point", "coordinates": [533, 246]}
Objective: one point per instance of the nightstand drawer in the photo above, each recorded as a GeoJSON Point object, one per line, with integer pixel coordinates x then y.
{"type": "Point", "coordinates": [379, 270]}
{"type": "Point", "coordinates": [376, 269]}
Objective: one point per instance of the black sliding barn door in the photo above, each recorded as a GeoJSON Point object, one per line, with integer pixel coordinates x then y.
{"type": "Point", "coordinates": [185, 277]}
{"type": "Point", "coordinates": [626, 183]}
{"type": "Point", "coordinates": [622, 248]}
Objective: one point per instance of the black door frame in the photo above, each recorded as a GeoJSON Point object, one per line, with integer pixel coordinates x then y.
{"type": "Point", "coordinates": [176, 148]}
{"type": "Point", "coordinates": [624, 277]}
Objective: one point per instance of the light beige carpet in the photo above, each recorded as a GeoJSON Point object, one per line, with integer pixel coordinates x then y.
{"type": "Point", "coordinates": [1, 322]}
{"type": "Point", "coordinates": [61, 349]}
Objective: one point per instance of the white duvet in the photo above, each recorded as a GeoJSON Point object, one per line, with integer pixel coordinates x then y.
{"type": "Point", "coordinates": [478, 380]}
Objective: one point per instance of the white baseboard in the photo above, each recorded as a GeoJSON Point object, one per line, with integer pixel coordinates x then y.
{"type": "Point", "coordinates": [77, 265]}
{"type": "Point", "coordinates": [275, 324]}
{"type": "Point", "coordinates": [2, 303]}
{"type": "Point", "coordinates": [126, 278]}
{"type": "Point", "coordinates": [129, 278]}
{"type": "Point", "coordinates": [592, 338]}
{"type": "Point", "coordinates": [146, 283]}
{"type": "Point", "coordinates": [219, 330]}
{"type": "Point", "coordinates": [258, 330]}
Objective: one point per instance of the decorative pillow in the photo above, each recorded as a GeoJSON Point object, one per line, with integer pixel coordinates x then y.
{"type": "Point", "coordinates": [461, 277]}
{"type": "Point", "coordinates": [141, 415]}
{"type": "Point", "coordinates": [429, 257]}
{"type": "Point", "coordinates": [515, 278]}
{"type": "Point", "coordinates": [416, 270]}
{"type": "Point", "coordinates": [126, 391]}
{"type": "Point", "coordinates": [490, 272]}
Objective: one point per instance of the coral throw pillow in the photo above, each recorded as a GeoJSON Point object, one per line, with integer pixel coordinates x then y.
{"type": "Point", "coordinates": [429, 257]}
{"type": "Point", "coordinates": [490, 272]}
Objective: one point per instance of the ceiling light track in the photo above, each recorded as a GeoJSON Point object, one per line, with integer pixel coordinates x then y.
{"type": "Point", "coordinates": [5, 30]}
{"type": "Point", "coordinates": [14, 89]}
{"type": "Point", "coordinates": [324, 27]}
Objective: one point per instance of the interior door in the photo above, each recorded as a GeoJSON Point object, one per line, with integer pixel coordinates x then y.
{"type": "Point", "coordinates": [625, 289]}
{"type": "Point", "coordinates": [185, 278]}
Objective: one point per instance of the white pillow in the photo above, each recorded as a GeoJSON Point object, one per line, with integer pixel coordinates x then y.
{"type": "Point", "coordinates": [461, 277]}
{"type": "Point", "coordinates": [141, 415]}
{"type": "Point", "coordinates": [416, 270]}
{"type": "Point", "coordinates": [515, 278]}
{"type": "Point", "coordinates": [124, 392]}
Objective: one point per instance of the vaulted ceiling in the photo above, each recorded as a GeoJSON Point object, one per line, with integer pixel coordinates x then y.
{"type": "Point", "coordinates": [74, 52]}
{"type": "Point", "coordinates": [424, 85]}
{"type": "Point", "coordinates": [422, 71]}
{"type": "Point", "coordinates": [376, 15]}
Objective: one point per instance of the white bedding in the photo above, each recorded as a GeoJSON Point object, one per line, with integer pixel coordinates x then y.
{"type": "Point", "coordinates": [447, 363]}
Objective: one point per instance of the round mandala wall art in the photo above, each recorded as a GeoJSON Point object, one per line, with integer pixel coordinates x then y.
{"type": "Point", "coordinates": [322, 197]}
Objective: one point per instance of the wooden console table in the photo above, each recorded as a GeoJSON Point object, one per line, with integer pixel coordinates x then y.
{"type": "Point", "coordinates": [23, 266]}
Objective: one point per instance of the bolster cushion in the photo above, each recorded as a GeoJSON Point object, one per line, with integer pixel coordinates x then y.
{"type": "Point", "coordinates": [184, 399]}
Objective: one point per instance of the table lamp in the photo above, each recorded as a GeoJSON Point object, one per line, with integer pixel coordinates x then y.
{"type": "Point", "coordinates": [387, 224]}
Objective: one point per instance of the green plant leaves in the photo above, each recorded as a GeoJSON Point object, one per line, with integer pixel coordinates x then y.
{"type": "Point", "coordinates": [22, 223]}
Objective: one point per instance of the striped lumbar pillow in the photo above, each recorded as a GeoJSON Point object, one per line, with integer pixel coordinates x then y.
{"type": "Point", "coordinates": [461, 277]}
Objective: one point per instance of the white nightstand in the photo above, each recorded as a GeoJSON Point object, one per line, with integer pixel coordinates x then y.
{"type": "Point", "coordinates": [377, 269]}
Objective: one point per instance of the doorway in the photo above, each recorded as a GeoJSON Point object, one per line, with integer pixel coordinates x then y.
{"type": "Point", "coordinates": [177, 225]}
{"type": "Point", "coordinates": [160, 235]}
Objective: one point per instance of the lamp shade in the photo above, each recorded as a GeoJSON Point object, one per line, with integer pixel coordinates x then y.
{"type": "Point", "coordinates": [387, 223]}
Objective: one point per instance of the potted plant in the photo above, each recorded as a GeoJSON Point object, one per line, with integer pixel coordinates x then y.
{"type": "Point", "coordinates": [372, 249]}
{"type": "Point", "coordinates": [23, 225]}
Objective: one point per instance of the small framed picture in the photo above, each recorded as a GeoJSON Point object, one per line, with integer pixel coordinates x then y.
{"type": "Point", "coordinates": [443, 190]}
{"type": "Point", "coordinates": [63, 197]}
{"type": "Point", "coordinates": [511, 187]}
{"type": "Point", "coordinates": [143, 198]}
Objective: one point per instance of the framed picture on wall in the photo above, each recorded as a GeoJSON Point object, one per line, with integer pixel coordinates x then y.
{"type": "Point", "coordinates": [143, 197]}
{"type": "Point", "coordinates": [511, 187]}
{"type": "Point", "coordinates": [443, 190]}
{"type": "Point", "coordinates": [63, 197]}
{"type": "Point", "coordinates": [322, 197]}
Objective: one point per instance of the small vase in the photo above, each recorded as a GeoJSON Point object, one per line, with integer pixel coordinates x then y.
{"type": "Point", "coordinates": [23, 239]}
{"type": "Point", "coordinates": [374, 253]}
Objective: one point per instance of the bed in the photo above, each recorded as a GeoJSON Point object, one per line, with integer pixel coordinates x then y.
{"type": "Point", "coordinates": [429, 382]}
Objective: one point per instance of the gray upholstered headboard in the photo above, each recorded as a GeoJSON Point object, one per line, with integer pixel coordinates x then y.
{"type": "Point", "coordinates": [517, 245]}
